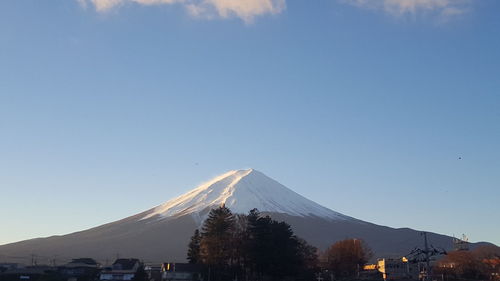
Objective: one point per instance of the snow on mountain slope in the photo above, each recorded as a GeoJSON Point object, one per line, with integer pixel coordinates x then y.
{"type": "Point", "coordinates": [241, 191]}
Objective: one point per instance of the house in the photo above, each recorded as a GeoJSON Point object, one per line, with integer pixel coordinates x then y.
{"type": "Point", "coordinates": [181, 271]}
{"type": "Point", "coordinates": [7, 266]}
{"type": "Point", "coordinates": [28, 273]}
{"type": "Point", "coordinates": [122, 269]}
{"type": "Point", "coordinates": [80, 269]}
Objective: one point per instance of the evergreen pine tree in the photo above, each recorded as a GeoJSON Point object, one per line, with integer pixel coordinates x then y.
{"type": "Point", "coordinates": [194, 248]}
{"type": "Point", "coordinates": [216, 241]}
{"type": "Point", "coordinates": [251, 247]}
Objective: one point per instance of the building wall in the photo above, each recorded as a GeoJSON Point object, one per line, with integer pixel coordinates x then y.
{"type": "Point", "coordinates": [392, 269]}
{"type": "Point", "coordinates": [111, 276]}
{"type": "Point", "coordinates": [177, 276]}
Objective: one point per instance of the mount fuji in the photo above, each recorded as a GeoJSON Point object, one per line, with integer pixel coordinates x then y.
{"type": "Point", "coordinates": [163, 232]}
{"type": "Point", "coordinates": [242, 191]}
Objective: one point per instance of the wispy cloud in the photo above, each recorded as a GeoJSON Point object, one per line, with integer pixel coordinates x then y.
{"type": "Point", "coordinates": [247, 10]}
{"type": "Point", "coordinates": [244, 9]}
{"type": "Point", "coordinates": [443, 8]}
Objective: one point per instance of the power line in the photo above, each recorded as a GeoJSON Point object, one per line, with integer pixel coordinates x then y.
{"type": "Point", "coordinates": [425, 255]}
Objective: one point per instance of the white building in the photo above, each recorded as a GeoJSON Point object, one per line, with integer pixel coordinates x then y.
{"type": "Point", "coordinates": [122, 269]}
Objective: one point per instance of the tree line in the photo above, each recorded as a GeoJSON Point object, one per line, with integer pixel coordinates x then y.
{"type": "Point", "coordinates": [482, 263]}
{"type": "Point", "coordinates": [256, 247]}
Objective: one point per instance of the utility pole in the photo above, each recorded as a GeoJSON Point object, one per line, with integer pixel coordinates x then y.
{"type": "Point", "coordinates": [33, 260]}
{"type": "Point", "coordinates": [420, 256]}
{"type": "Point", "coordinates": [427, 262]}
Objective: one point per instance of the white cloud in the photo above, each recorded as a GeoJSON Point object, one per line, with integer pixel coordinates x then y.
{"type": "Point", "coordinates": [247, 10]}
{"type": "Point", "coordinates": [244, 9]}
{"type": "Point", "coordinates": [445, 8]}
{"type": "Point", "coordinates": [105, 5]}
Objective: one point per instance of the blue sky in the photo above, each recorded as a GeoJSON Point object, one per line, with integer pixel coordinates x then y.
{"type": "Point", "coordinates": [110, 107]}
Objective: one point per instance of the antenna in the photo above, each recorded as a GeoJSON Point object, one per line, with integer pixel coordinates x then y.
{"type": "Point", "coordinates": [427, 262]}
{"type": "Point", "coordinates": [461, 244]}
{"type": "Point", "coordinates": [33, 260]}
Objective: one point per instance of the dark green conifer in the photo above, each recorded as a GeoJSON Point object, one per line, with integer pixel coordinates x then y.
{"type": "Point", "coordinates": [216, 242]}
{"type": "Point", "coordinates": [194, 248]}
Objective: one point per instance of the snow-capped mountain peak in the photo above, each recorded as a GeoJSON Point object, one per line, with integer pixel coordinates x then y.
{"type": "Point", "coordinates": [241, 191]}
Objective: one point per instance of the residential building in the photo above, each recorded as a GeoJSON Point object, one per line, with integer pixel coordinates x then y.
{"type": "Point", "coordinates": [122, 269]}
{"type": "Point", "coordinates": [28, 273]}
{"type": "Point", "coordinates": [7, 266]}
{"type": "Point", "coordinates": [80, 269]}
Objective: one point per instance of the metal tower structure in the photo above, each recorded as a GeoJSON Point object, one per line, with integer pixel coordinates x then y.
{"type": "Point", "coordinates": [461, 244]}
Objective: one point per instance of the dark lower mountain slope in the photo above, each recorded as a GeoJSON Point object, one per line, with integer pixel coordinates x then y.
{"type": "Point", "coordinates": [166, 240]}
{"type": "Point", "coordinates": [162, 233]}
